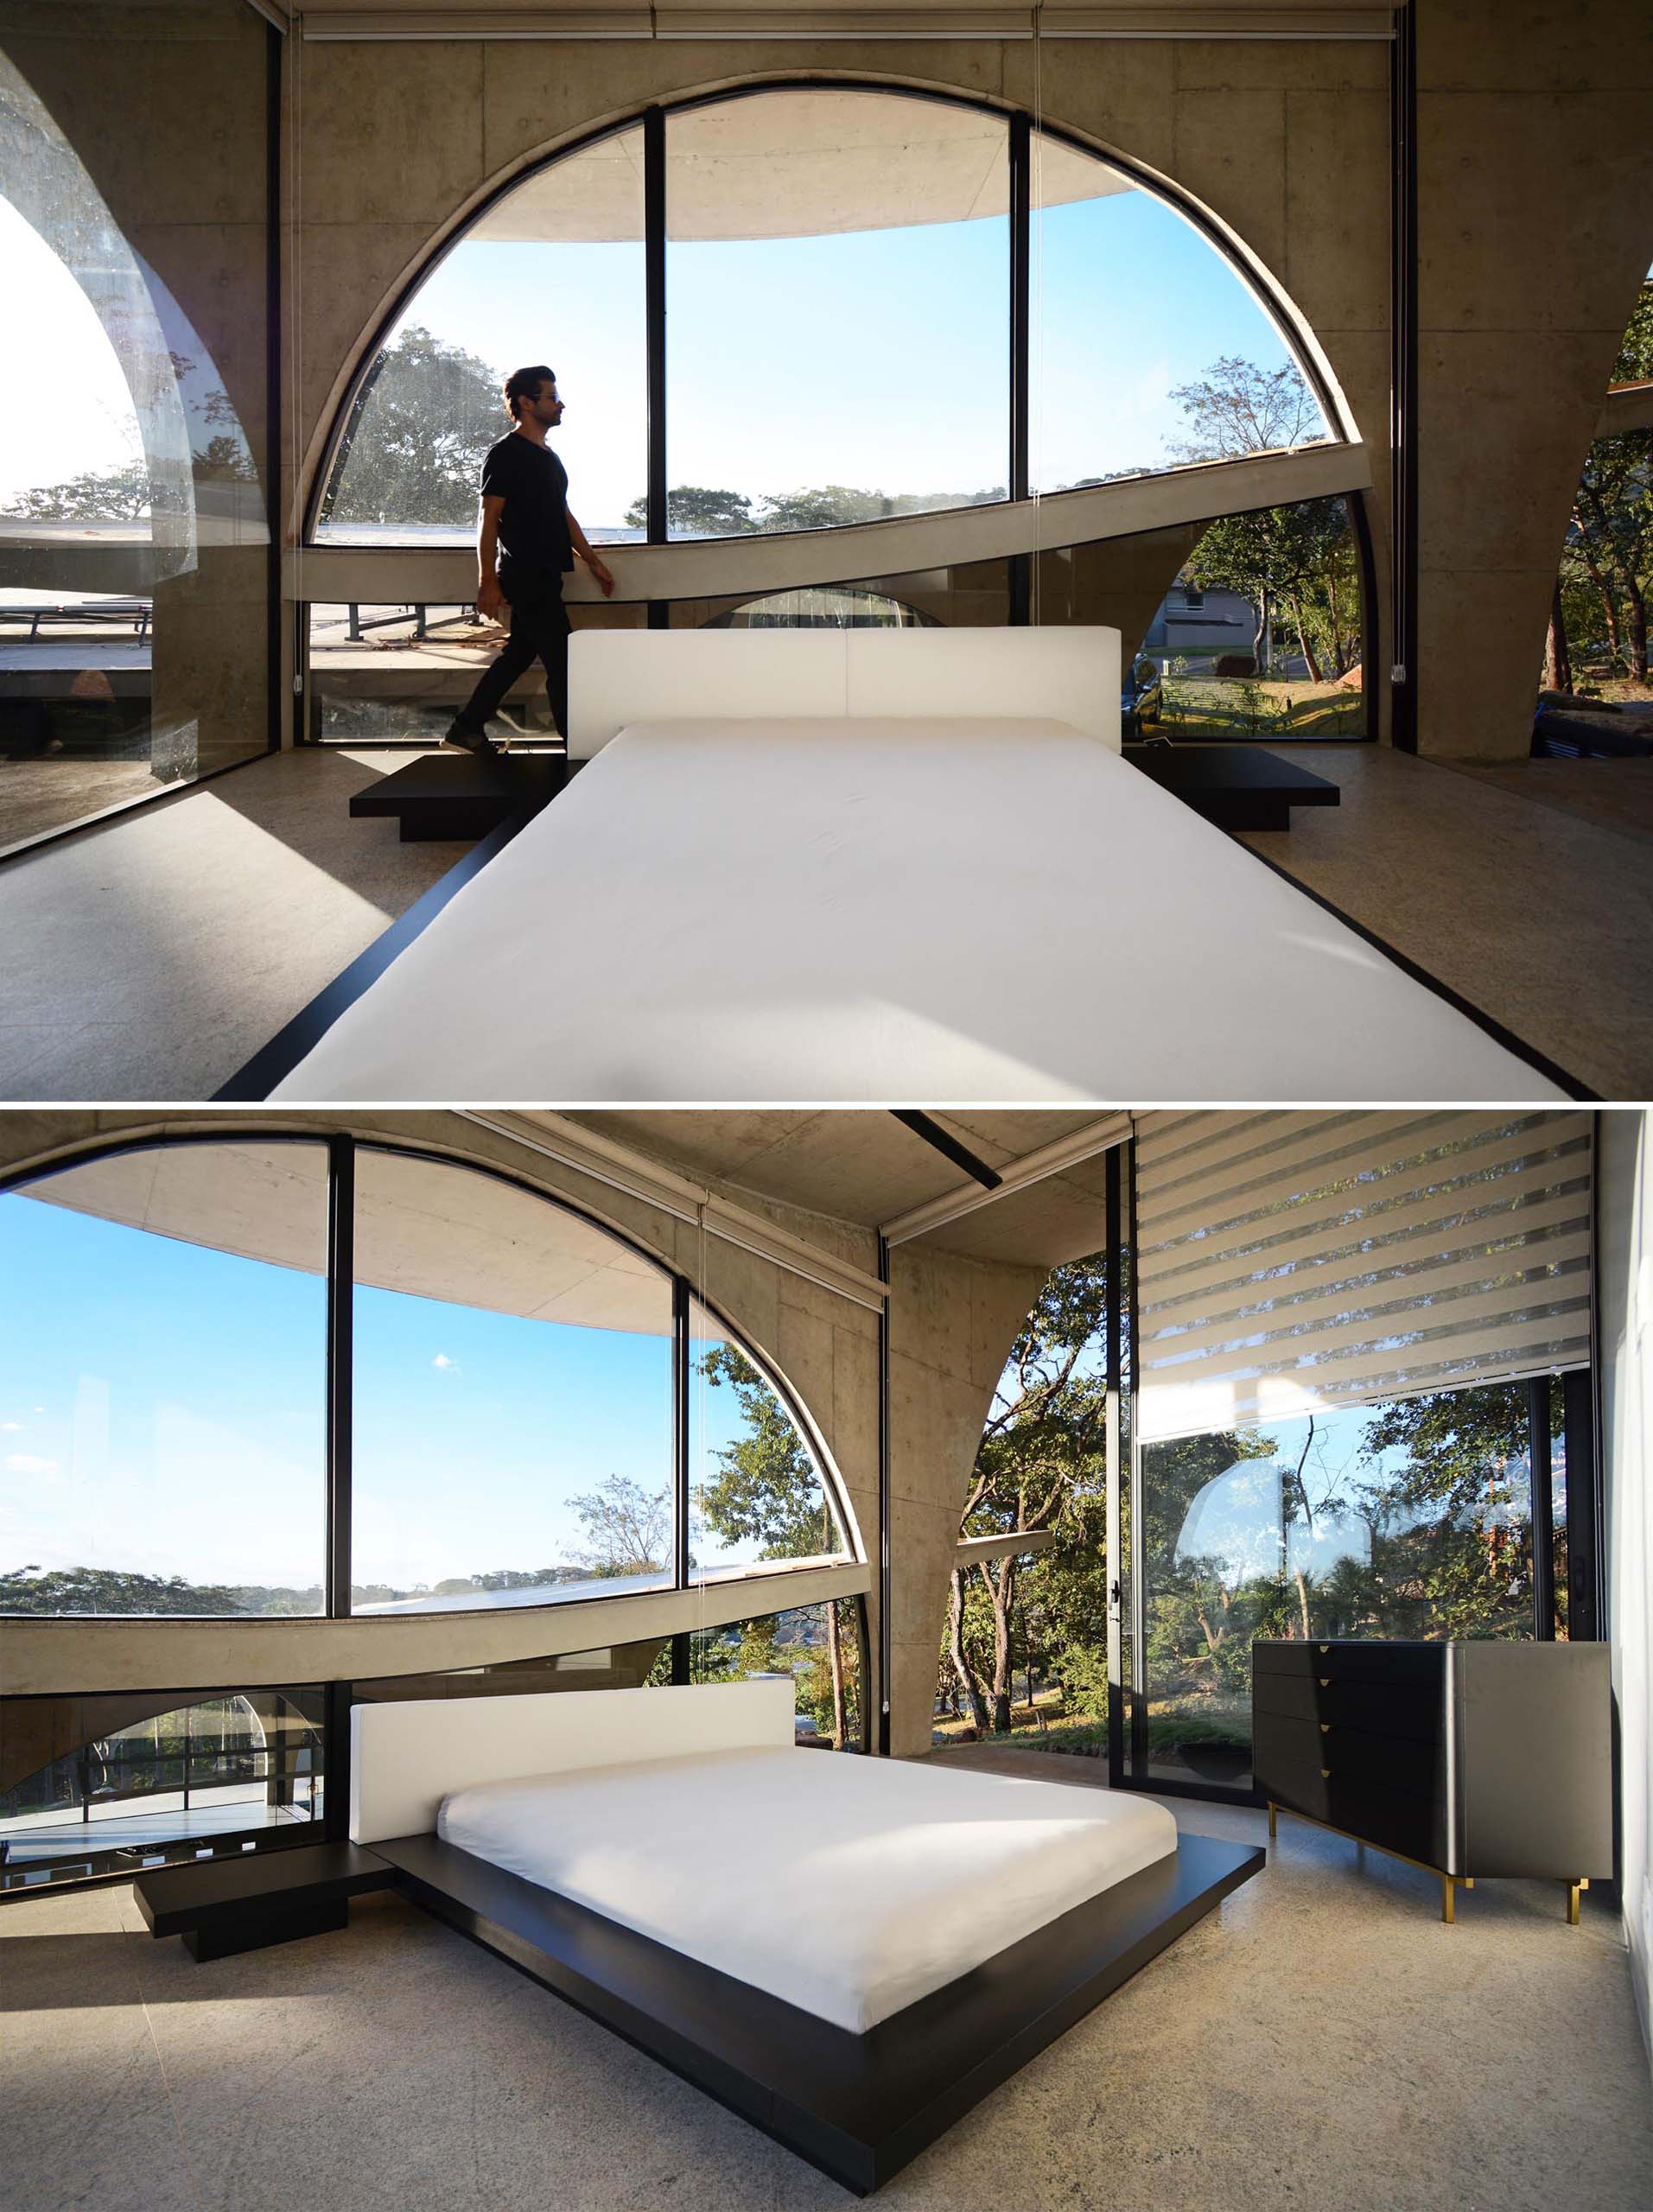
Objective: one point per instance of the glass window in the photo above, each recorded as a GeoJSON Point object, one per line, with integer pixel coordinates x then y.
{"type": "Point", "coordinates": [1024, 1645]}
{"type": "Point", "coordinates": [1411, 1518]}
{"type": "Point", "coordinates": [162, 1388]}
{"type": "Point", "coordinates": [819, 1646]}
{"type": "Point", "coordinates": [398, 674]}
{"type": "Point", "coordinates": [137, 607]}
{"type": "Point", "coordinates": [837, 274]}
{"type": "Point", "coordinates": [612, 1666]}
{"type": "Point", "coordinates": [755, 1492]}
{"type": "Point", "coordinates": [551, 273]}
{"type": "Point", "coordinates": [513, 1397]}
{"type": "Point", "coordinates": [1148, 349]}
{"type": "Point", "coordinates": [1596, 653]}
{"type": "Point", "coordinates": [111, 1784]}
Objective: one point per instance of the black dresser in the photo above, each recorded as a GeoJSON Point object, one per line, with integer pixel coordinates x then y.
{"type": "Point", "coordinates": [1473, 1759]}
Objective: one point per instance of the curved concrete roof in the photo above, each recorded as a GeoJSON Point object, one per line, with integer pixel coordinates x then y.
{"type": "Point", "coordinates": [806, 162]}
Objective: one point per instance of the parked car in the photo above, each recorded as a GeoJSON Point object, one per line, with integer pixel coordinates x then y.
{"type": "Point", "coordinates": [1142, 698]}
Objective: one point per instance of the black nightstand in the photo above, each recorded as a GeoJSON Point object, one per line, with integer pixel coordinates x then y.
{"type": "Point", "coordinates": [225, 1905]}
{"type": "Point", "coordinates": [1235, 786]}
{"type": "Point", "coordinates": [453, 794]}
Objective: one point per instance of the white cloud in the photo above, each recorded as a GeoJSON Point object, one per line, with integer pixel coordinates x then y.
{"type": "Point", "coordinates": [10, 1427]}
{"type": "Point", "coordinates": [447, 1365]}
{"type": "Point", "coordinates": [29, 1463]}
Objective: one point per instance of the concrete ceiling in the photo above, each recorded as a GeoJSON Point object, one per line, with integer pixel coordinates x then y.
{"type": "Point", "coordinates": [796, 163]}
{"type": "Point", "coordinates": [432, 1229]}
{"type": "Point", "coordinates": [865, 1166]}
{"type": "Point", "coordinates": [422, 1227]}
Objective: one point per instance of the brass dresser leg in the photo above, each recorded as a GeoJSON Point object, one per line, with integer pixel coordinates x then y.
{"type": "Point", "coordinates": [1271, 1819]}
{"type": "Point", "coordinates": [1447, 1911]}
{"type": "Point", "coordinates": [1573, 1890]}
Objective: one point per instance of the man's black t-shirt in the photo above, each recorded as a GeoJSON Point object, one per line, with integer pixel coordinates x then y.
{"type": "Point", "coordinates": [534, 485]}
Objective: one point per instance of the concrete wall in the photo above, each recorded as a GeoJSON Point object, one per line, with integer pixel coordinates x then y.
{"type": "Point", "coordinates": [1624, 1172]}
{"type": "Point", "coordinates": [1536, 179]}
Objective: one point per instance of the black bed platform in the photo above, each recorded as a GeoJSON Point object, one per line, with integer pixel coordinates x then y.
{"type": "Point", "coordinates": [860, 2107]}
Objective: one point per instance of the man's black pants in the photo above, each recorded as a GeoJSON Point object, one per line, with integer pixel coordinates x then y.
{"type": "Point", "coordinates": [539, 631]}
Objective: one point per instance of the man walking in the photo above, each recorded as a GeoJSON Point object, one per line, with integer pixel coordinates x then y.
{"type": "Point", "coordinates": [529, 532]}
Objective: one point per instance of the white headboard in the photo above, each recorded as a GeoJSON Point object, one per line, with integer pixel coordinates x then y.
{"type": "Point", "coordinates": [405, 1758]}
{"type": "Point", "coordinates": [620, 677]}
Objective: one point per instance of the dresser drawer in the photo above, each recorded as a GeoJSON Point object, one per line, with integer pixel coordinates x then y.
{"type": "Point", "coordinates": [1420, 1665]}
{"type": "Point", "coordinates": [1415, 1826]}
{"type": "Point", "coordinates": [1288, 1746]}
{"type": "Point", "coordinates": [1415, 1710]}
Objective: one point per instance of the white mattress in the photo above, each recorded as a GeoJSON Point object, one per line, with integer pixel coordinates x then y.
{"type": "Point", "coordinates": [941, 912]}
{"type": "Point", "coordinates": [849, 1887]}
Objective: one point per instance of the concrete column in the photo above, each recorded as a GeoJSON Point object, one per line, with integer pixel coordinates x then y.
{"type": "Point", "coordinates": [1535, 181]}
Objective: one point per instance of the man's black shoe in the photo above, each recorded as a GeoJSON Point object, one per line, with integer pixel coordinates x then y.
{"type": "Point", "coordinates": [473, 740]}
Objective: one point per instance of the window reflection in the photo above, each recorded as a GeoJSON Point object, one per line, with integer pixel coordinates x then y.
{"type": "Point", "coordinates": [136, 608]}
{"type": "Point", "coordinates": [1410, 1518]}
{"type": "Point", "coordinates": [110, 1784]}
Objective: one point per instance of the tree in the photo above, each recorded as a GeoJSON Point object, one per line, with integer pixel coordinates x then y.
{"type": "Point", "coordinates": [414, 445]}
{"type": "Point", "coordinates": [1301, 556]}
{"type": "Point", "coordinates": [1237, 408]}
{"type": "Point", "coordinates": [627, 1528]}
{"type": "Point", "coordinates": [99, 495]}
{"type": "Point", "coordinates": [769, 1492]}
{"type": "Point", "coordinates": [1041, 1451]}
{"type": "Point", "coordinates": [1606, 569]}
{"type": "Point", "coordinates": [695, 511]}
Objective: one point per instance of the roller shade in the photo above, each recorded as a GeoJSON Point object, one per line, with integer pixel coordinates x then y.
{"type": "Point", "coordinates": [1287, 1263]}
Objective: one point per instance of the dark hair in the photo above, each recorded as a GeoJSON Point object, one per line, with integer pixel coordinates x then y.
{"type": "Point", "coordinates": [521, 382]}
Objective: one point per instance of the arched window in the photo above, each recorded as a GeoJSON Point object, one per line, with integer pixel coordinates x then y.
{"type": "Point", "coordinates": [538, 1410]}
{"type": "Point", "coordinates": [841, 290]}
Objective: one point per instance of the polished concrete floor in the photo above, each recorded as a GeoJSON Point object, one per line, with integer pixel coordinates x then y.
{"type": "Point", "coordinates": [1322, 2041]}
{"type": "Point", "coordinates": [1540, 915]}
{"type": "Point", "coordinates": [149, 957]}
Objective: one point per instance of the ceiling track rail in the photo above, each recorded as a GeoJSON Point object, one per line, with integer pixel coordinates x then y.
{"type": "Point", "coordinates": [1070, 1151]}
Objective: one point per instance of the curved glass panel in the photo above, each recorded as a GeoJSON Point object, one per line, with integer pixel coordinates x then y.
{"type": "Point", "coordinates": [513, 1398]}
{"type": "Point", "coordinates": [837, 289]}
{"type": "Point", "coordinates": [162, 1388]}
{"type": "Point", "coordinates": [825, 606]}
{"type": "Point", "coordinates": [553, 273]}
{"type": "Point", "coordinates": [1148, 349]}
{"type": "Point", "coordinates": [819, 1646]}
{"type": "Point", "coordinates": [756, 1492]}
{"type": "Point", "coordinates": [136, 601]}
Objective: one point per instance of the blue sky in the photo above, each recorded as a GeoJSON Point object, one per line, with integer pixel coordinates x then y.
{"type": "Point", "coordinates": [876, 358]}
{"type": "Point", "coordinates": [160, 1412]}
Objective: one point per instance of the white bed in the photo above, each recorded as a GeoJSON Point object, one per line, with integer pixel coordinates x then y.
{"type": "Point", "coordinates": [847, 1887]}
{"type": "Point", "coordinates": [808, 889]}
